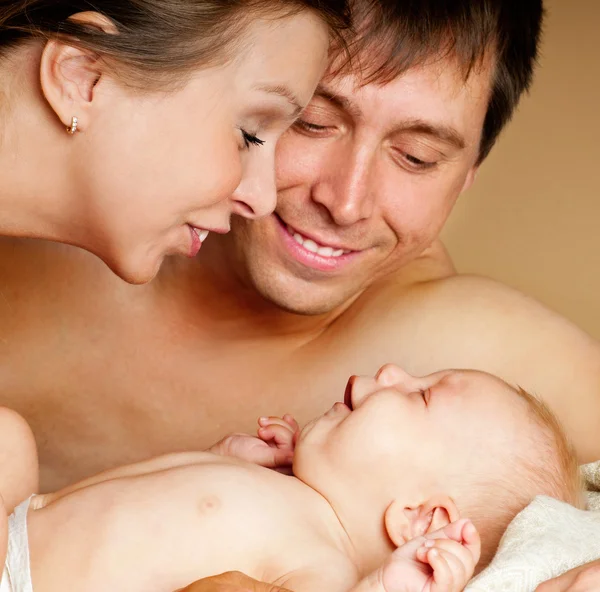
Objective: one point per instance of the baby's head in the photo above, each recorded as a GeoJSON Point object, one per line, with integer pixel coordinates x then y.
{"type": "Point", "coordinates": [423, 451]}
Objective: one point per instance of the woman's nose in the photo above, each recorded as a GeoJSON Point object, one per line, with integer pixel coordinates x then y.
{"type": "Point", "coordinates": [256, 195]}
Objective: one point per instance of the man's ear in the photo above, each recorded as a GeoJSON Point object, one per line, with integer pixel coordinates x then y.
{"type": "Point", "coordinates": [404, 523]}
{"type": "Point", "coordinates": [471, 176]}
{"type": "Point", "coordinates": [68, 74]}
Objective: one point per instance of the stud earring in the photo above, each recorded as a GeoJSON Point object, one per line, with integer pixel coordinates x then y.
{"type": "Point", "coordinates": [73, 128]}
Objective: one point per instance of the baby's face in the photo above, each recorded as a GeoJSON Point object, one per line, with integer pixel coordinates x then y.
{"type": "Point", "coordinates": [399, 434]}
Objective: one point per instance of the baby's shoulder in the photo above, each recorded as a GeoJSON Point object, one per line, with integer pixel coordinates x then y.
{"type": "Point", "coordinates": [223, 491]}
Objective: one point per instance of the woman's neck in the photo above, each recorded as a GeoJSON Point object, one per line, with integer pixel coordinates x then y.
{"type": "Point", "coordinates": [34, 185]}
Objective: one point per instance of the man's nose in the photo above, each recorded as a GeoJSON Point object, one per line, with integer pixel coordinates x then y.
{"type": "Point", "coordinates": [256, 195]}
{"type": "Point", "coordinates": [344, 187]}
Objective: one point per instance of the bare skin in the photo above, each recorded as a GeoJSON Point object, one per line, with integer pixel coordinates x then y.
{"type": "Point", "coordinates": [108, 374]}
{"type": "Point", "coordinates": [157, 375]}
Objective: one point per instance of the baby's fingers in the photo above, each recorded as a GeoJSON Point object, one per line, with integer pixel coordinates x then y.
{"type": "Point", "coordinates": [458, 559]}
{"type": "Point", "coordinates": [449, 572]}
{"type": "Point", "coordinates": [277, 435]}
{"type": "Point", "coordinates": [462, 531]}
{"type": "Point", "coordinates": [289, 419]}
{"type": "Point", "coordinates": [471, 541]}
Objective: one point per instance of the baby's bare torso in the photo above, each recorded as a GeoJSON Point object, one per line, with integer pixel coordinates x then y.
{"type": "Point", "coordinates": [157, 527]}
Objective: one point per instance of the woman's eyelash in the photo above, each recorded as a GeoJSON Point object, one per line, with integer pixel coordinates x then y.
{"type": "Point", "coordinates": [250, 139]}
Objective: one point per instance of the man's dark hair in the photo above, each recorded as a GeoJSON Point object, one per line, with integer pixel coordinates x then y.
{"type": "Point", "coordinates": [395, 35]}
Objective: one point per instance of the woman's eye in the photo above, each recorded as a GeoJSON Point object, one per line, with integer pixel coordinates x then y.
{"type": "Point", "coordinates": [250, 139]}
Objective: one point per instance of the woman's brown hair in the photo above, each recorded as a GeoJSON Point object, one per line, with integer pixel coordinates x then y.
{"type": "Point", "coordinates": [154, 40]}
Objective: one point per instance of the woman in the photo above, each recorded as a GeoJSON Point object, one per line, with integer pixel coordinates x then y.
{"type": "Point", "coordinates": [132, 129]}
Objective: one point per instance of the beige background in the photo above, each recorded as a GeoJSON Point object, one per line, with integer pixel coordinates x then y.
{"type": "Point", "coordinates": [532, 220]}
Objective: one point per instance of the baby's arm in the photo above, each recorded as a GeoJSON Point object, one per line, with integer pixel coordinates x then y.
{"type": "Point", "coordinates": [273, 448]}
{"type": "Point", "coordinates": [153, 465]}
{"type": "Point", "coordinates": [19, 472]}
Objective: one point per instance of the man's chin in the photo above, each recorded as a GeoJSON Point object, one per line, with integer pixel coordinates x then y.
{"type": "Point", "coordinates": [306, 301]}
{"type": "Point", "coordinates": [293, 294]}
{"type": "Point", "coordinates": [251, 258]}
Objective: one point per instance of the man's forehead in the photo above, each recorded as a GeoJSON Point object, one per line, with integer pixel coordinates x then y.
{"type": "Point", "coordinates": [441, 74]}
{"type": "Point", "coordinates": [435, 95]}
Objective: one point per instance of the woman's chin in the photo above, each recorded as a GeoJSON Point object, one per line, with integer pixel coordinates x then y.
{"type": "Point", "coordinates": [136, 270]}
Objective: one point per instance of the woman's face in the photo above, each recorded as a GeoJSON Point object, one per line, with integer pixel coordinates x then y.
{"type": "Point", "coordinates": [159, 169]}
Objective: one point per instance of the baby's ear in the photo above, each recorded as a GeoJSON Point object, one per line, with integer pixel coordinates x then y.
{"type": "Point", "coordinates": [404, 523]}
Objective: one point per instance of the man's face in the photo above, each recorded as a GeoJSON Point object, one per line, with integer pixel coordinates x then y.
{"type": "Point", "coordinates": [366, 179]}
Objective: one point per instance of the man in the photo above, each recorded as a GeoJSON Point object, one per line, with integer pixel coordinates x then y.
{"type": "Point", "coordinates": [348, 273]}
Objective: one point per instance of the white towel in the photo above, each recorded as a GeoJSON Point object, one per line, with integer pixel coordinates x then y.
{"type": "Point", "coordinates": [543, 541]}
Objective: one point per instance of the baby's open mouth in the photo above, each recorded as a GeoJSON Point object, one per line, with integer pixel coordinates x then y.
{"type": "Point", "coordinates": [348, 393]}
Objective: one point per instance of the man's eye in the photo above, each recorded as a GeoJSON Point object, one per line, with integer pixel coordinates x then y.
{"type": "Point", "coordinates": [413, 163]}
{"type": "Point", "coordinates": [415, 160]}
{"type": "Point", "coordinates": [309, 127]}
{"type": "Point", "coordinates": [417, 163]}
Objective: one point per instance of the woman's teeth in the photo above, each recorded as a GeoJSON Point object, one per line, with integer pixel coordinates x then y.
{"type": "Point", "coordinates": [202, 234]}
{"type": "Point", "coordinates": [313, 247]}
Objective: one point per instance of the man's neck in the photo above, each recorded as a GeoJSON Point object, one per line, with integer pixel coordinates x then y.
{"type": "Point", "coordinates": [225, 298]}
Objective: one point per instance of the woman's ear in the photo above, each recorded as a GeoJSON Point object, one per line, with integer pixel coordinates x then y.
{"type": "Point", "coordinates": [404, 523]}
{"type": "Point", "coordinates": [69, 74]}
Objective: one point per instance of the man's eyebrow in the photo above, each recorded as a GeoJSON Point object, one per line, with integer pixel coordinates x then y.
{"type": "Point", "coordinates": [420, 126]}
{"type": "Point", "coordinates": [441, 132]}
{"type": "Point", "coordinates": [286, 93]}
{"type": "Point", "coordinates": [337, 100]}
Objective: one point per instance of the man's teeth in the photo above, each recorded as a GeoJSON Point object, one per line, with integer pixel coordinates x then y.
{"type": "Point", "coordinates": [313, 247]}
{"type": "Point", "coordinates": [202, 234]}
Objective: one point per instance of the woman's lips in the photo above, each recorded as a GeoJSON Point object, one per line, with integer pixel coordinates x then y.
{"type": "Point", "coordinates": [196, 243]}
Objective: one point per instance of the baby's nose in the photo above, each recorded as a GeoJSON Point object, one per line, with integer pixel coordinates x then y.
{"type": "Point", "coordinates": [358, 389]}
{"type": "Point", "coordinates": [392, 375]}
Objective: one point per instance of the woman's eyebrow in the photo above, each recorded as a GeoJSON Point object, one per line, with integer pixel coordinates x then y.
{"type": "Point", "coordinates": [285, 92]}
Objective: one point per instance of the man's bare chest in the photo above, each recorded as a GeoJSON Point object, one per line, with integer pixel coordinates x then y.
{"type": "Point", "coordinates": [97, 397]}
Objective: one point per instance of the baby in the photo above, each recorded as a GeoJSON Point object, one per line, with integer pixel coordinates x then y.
{"type": "Point", "coordinates": [393, 466]}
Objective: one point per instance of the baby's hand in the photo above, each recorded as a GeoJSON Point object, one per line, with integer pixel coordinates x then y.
{"type": "Point", "coordinates": [442, 561]}
{"type": "Point", "coordinates": [273, 448]}
{"type": "Point", "coordinates": [281, 433]}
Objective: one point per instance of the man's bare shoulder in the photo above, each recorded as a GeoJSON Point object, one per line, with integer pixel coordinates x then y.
{"type": "Point", "coordinates": [466, 321]}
